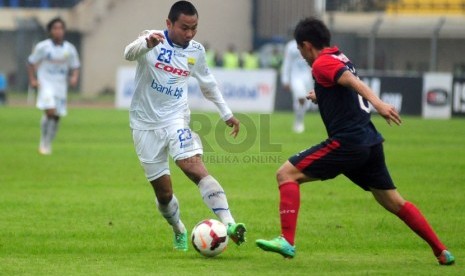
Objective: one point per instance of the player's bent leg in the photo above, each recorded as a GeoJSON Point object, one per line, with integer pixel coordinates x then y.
{"type": "Point", "coordinates": [288, 178]}
{"type": "Point", "coordinates": [168, 206]}
{"type": "Point", "coordinates": [390, 199]}
{"type": "Point", "coordinates": [289, 173]}
{"type": "Point", "coordinates": [300, 108]}
{"type": "Point", "coordinates": [409, 213]}
{"type": "Point", "coordinates": [48, 125]}
{"type": "Point", "coordinates": [163, 189]}
{"type": "Point", "coordinates": [43, 147]}
{"type": "Point", "coordinates": [193, 167]}
{"type": "Point", "coordinates": [213, 195]}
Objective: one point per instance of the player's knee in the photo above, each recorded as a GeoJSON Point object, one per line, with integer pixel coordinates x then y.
{"type": "Point", "coordinates": [51, 113]}
{"type": "Point", "coordinates": [193, 175]}
{"type": "Point", "coordinates": [164, 196]}
{"type": "Point", "coordinates": [282, 175]}
{"type": "Point", "coordinates": [163, 189]}
{"type": "Point", "coordinates": [193, 168]}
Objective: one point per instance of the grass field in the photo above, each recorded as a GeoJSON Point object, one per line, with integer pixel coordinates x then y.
{"type": "Point", "coordinates": [87, 209]}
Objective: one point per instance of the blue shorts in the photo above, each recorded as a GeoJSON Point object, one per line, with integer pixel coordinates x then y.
{"type": "Point", "coordinates": [365, 166]}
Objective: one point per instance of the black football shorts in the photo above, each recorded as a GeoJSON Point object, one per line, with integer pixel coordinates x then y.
{"type": "Point", "coordinates": [365, 166]}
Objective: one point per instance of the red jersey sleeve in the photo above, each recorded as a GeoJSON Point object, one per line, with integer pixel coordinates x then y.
{"type": "Point", "coordinates": [327, 69]}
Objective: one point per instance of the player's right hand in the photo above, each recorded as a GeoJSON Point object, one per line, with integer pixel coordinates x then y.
{"type": "Point", "coordinates": [154, 39]}
{"type": "Point", "coordinates": [312, 96]}
{"type": "Point", "coordinates": [34, 83]}
{"type": "Point", "coordinates": [287, 87]}
{"type": "Point", "coordinates": [389, 113]}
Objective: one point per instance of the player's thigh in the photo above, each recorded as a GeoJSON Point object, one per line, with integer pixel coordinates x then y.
{"type": "Point", "coordinates": [46, 98]}
{"type": "Point", "coordinates": [60, 106]}
{"type": "Point", "coordinates": [183, 142]}
{"type": "Point", "coordinates": [328, 159]}
{"type": "Point", "coordinates": [185, 148]}
{"type": "Point", "coordinates": [288, 172]}
{"type": "Point", "coordinates": [373, 174]}
{"type": "Point", "coordinates": [152, 150]}
{"type": "Point", "coordinates": [299, 89]}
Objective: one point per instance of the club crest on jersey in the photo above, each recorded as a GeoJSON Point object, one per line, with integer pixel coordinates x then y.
{"type": "Point", "coordinates": [191, 61]}
{"type": "Point", "coordinates": [173, 70]}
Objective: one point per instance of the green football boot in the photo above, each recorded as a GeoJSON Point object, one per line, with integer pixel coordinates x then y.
{"type": "Point", "coordinates": [180, 241]}
{"type": "Point", "coordinates": [446, 258]}
{"type": "Point", "coordinates": [236, 232]}
{"type": "Point", "coordinates": [279, 245]}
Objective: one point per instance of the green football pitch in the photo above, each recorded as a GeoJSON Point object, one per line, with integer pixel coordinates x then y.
{"type": "Point", "coordinates": [88, 210]}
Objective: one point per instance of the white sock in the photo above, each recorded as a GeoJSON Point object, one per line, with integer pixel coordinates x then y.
{"type": "Point", "coordinates": [52, 129]}
{"type": "Point", "coordinates": [43, 131]}
{"type": "Point", "coordinates": [213, 195]}
{"type": "Point", "coordinates": [299, 111]}
{"type": "Point", "coordinates": [171, 213]}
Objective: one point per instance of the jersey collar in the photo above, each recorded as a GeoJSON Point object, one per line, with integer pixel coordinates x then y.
{"type": "Point", "coordinates": [57, 44]}
{"type": "Point", "coordinates": [171, 42]}
{"type": "Point", "coordinates": [329, 51]}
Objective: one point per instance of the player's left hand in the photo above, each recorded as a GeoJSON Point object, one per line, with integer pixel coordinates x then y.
{"type": "Point", "coordinates": [73, 81]}
{"type": "Point", "coordinates": [234, 123]}
{"type": "Point", "coordinates": [312, 97]}
{"type": "Point", "coordinates": [389, 113]}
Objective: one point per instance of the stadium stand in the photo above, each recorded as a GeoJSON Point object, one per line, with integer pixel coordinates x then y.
{"type": "Point", "coordinates": [44, 4]}
{"type": "Point", "coordinates": [426, 7]}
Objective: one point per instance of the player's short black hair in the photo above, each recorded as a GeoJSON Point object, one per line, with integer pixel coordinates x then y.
{"type": "Point", "coordinates": [314, 31]}
{"type": "Point", "coordinates": [54, 21]}
{"type": "Point", "coordinates": [181, 7]}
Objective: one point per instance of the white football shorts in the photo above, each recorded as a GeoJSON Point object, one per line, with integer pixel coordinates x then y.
{"type": "Point", "coordinates": [300, 87]}
{"type": "Point", "coordinates": [153, 147]}
{"type": "Point", "coordinates": [48, 99]}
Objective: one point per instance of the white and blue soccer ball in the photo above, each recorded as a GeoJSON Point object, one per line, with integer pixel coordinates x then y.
{"type": "Point", "coordinates": [210, 237]}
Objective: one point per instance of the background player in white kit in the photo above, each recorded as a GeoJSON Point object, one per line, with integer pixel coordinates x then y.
{"type": "Point", "coordinates": [296, 77]}
{"type": "Point", "coordinates": [159, 116]}
{"type": "Point", "coordinates": [55, 61]}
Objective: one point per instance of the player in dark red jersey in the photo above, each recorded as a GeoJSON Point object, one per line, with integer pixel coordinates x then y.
{"type": "Point", "coordinates": [354, 147]}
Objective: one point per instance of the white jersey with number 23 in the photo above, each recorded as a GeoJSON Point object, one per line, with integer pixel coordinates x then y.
{"type": "Point", "coordinates": [160, 97]}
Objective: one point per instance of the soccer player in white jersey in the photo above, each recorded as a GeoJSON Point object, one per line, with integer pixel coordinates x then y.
{"type": "Point", "coordinates": [159, 117]}
{"type": "Point", "coordinates": [56, 62]}
{"type": "Point", "coordinates": [296, 78]}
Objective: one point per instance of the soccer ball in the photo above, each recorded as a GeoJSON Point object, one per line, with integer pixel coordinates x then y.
{"type": "Point", "coordinates": [209, 237]}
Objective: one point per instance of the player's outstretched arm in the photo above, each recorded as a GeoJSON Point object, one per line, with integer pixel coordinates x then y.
{"type": "Point", "coordinates": [144, 43]}
{"type": "Point", "coordinates": [388, 111]}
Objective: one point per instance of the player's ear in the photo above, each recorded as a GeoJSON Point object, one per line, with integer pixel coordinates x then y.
{"type": "Point", "coordinates": [168, 24]}
{"type": "Point", "coordinates": [307, 45]}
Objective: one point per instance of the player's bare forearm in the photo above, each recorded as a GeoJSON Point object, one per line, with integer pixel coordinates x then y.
{"type": "Point", "coordinates": [388, 111]}
{"type": "Point", "coordinates": [74, 78]}
{"type": "Point", "coordinates": [31, 72]}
